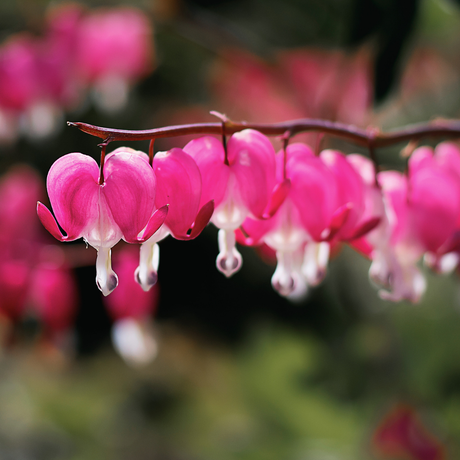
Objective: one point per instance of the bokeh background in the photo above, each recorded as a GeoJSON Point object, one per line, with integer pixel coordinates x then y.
{"type": "Point", "coordinates": [224, 369]}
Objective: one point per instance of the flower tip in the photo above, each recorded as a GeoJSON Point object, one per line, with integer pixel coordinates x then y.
{"type": "Point", "coordinates": [229, 264]}
{"type": "Point", "coordinates": [106, 278]}
{"type": "Point", "coordinates": [150, 280]}
{"type": "Point", "coordinates": [108, 285]}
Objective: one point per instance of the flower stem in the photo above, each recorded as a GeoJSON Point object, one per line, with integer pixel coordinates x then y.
{"type": "Point", "coordinates": [360, 136]}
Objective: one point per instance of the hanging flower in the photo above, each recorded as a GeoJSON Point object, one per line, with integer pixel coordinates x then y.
{"type": "Point", "coordinates": [323, 206]}
{"type": "Point", "coordinates": [179, 187]}
{"type": "Point", "coordinates": [122, 206]}
{"type": "Point", "coordinates": [241, 180]}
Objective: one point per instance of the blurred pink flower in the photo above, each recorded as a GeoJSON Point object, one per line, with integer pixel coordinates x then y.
{"type": "Point", "coordinates": [401, 434]}
{"type": "Point", "coordinates": [114, 50]}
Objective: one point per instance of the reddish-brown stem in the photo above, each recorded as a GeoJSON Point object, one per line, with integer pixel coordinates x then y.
{"type": "Point", "coordinates": [286, 137]}
{"type": "Point", "coordinates": [101, 167]}
{"type": "Point", "coordinates": [151, 145]}
{"type": "Point", "coordinates": [436, 128]}
{"type": "Point", "coordinates": [224, 143]}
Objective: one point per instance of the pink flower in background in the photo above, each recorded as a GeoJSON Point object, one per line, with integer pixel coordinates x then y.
{"type": "Point", "coordinates": [179, 188]}
{"type": "Point", "coordinates": [114, 50]}
{"type": "Point", "coordinates": [419, 214]}
{"type": "Point", "coordinates": [53, 294]}
{"type": "Point", "coordinates": [131, 310]}
{"type": "Point", "coordinates": [401, 434]}
{"type": "Point", "coordinates": [121, 207]}
{"type": "Point", "coordinates": [34, 277]}
{"type": "Point", "coordinates": [240, 180]}
{"type": "Point", "coordinates": [20, 239]}
{"type": "Point", "coordinates": [57, 55]}
{"type": "Point", "coordinates": [445, 257]}
{"type": "Point", "coordinates": [330, 84]}
{"type": "Point", "coordinates": [19, 82]}
{"type": "Point", "coordinates": [106, 51]}
{"type": "Point", "coordinates": [299, 83]}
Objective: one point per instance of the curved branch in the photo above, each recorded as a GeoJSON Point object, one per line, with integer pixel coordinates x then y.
{"type": "Point", "coordinates": [371, 136]}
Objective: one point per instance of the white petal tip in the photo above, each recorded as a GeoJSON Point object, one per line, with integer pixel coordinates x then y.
{"type": "Point", "coordinates": [146, 282]}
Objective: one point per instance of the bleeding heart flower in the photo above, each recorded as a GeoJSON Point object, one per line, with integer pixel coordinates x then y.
{"type": "Point", "coordinates": [241, 181]}
{"type": "Point", "coordinates": [323, 204]}
{"type": "Point", "coordinates": [179, 187]}
{"type": "Point", "coordinates": [121, 207]}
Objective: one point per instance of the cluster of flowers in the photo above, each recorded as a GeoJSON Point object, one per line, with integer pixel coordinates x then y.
{"type": "Point", "coordinates": [295, 202]}
{"type": "Point", "coordinates": [104, 51]}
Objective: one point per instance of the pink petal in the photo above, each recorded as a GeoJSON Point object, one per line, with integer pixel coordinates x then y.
{"type": "Point", "coordinates": [421, 157]}
{"type": "Point", "coordinates": [365, 227]}
{"type": "Point", "coordinates": [179, 185]}
{"type": "Point", "coordinates": [435, 205]}
{"type": "Point", "coordinates": [202, 219]}
{"type": "Point", "coordinates": [364, 167]}
{"type": "Point", "coordinates": [447, 155]}
{"type": "Point", "coordinates": [129, 188]}
{"type": "Point", "coordinates": [209, 155]}
{"type": "Point", "coordinates": [279, 194]}
{"type": "Point", "coordinates": [254, 231]}
{"type": "Point", "coordinates": [314, 193]}
{"type": "Point", "coordinates": [350, 188]}
{"type": "Point", "coordinates": [154, 224]}
{"type": "Point", "coordinates": [252, 159]}
{"type": "Point", "coordinates": [49, 222]}
{"type": "Point", "coordinates": [394, 187]}
{"type": "Point", "coordinates": [339, 218]}
{"type": "Point", "coordinates": [73, 190]}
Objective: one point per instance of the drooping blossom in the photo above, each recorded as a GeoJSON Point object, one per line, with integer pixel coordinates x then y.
{"type": "Point", "coordinates": [241, 180]}
{"type": "Point", "coordinates": [324, 205]}
{"type": "Point", "coordinates": [131, 310]}
{"type": "Point", "coordinates": [421, 214]}
{"type": "Point", "coordinates": [121, 207]}
{"type": "Point", "coordinates": [447, 256]}
{"type": "Point", "coordinates": [179, 185]}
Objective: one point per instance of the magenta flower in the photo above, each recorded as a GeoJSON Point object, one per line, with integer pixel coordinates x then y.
{"type": "Point", "coordinates": [241, 181]}
{"type": "Point", "coordinates": [179, 187]}
{"type": "Point", "coordinates": [324, 204]}
{"type": "Point", "coordinates": [114, 49]}
{"type": "Point", "coordinates": [419, 214]}
{"type": "Point", "coordinates": [121, 207]}
{"type": "Point", "coordinates": [446, 257]}
{"type": "Point", "coordinates": [54, 296]}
